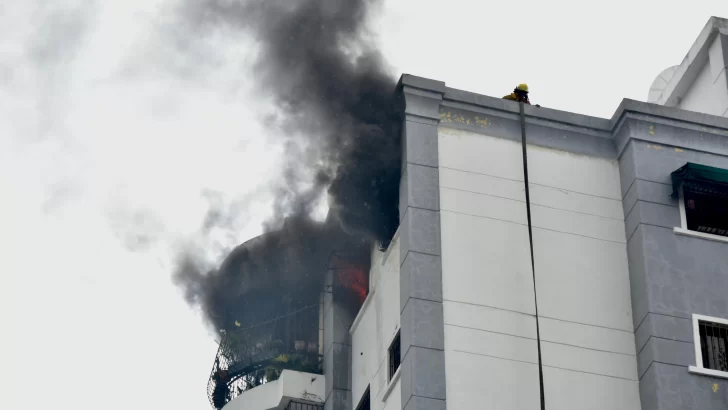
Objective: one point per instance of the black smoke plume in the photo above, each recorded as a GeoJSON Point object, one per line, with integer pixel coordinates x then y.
{"type": "Point", "coordinates": [316, 60]}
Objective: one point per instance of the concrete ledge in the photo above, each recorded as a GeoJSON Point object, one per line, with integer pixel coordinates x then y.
{"type": "Point", "coordinates": [565, 117]}
{"type": "Point", "coordinates": [307, 387]}
{"type": "Point", "coordinates": [362, 311]}
{"type": "Point", "coordinates": [390, 385]}
{"type": "Point", "coordinates": [701, 235]}
{"type": "Point", "coordinates": [665, 327]}
{"type": "Point", "coordinates": [423, 83]}
{"type": "Point", "coordinates": [665, 351]}
{"type": "Point", "coordinates": [422, 403]}
{"type": "Point", "coordinates": [708, 372]}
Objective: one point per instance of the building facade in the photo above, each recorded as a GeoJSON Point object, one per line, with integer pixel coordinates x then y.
{"type": "Point", "coordinates": [626, 287]}
{"type": "Point", "coordinates": [601, 283]}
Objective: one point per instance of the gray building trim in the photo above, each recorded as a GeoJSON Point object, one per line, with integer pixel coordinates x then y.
{"type": "Point", "coordinates": [671, 133]}
{"type": "Point", "coordinates": [337, 350]}
{"type": "Point", "coordinates": [422, 330]}
{"type": "Point", "coordinates": [667, 351]}
{"type": "Point", "coordinates": [669, 387]}
{"type": "Point", "coordinates": [582, 134]}
{"type": "Point", "coordinates": [664, 327]}
{"type": "Point", "coordinates": [671, 277]}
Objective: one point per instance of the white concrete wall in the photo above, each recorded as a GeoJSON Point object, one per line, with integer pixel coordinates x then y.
{"type": "Point", "coordinates": [582, 278]}
{"type": "Point", "coordinates": [276, 394]}
{"type": "Point", "coordinates": [373, 330]}
{"type": "Point", "coordinates": [709, 92]}
{"type": "Point", "coordinates": [488, 305]}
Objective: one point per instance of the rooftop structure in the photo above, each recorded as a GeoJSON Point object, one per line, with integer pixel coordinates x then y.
{"type": "Point", "coordinates": [700, 82]}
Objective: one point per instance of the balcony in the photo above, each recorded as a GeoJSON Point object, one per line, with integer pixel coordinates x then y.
{"type": "Point", "coordinates": [262, 361]}
{"type": "Point", "coordinates": [293, 390]}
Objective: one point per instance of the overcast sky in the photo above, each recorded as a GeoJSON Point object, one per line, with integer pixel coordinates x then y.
{"type": "Point", "coordinates": [119, 132]}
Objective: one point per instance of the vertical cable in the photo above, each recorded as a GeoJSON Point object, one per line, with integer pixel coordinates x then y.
{"type": "Point", "coordinates": [533, 265]}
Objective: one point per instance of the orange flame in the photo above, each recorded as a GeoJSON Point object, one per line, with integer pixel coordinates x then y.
{"type": "Point", "coordinates": [354, 279]}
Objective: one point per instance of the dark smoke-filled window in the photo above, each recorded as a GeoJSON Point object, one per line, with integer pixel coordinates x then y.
{"type": "Point", "coordinates": [394, 356]}
{"type": "Point", "coordinates": [706, 207]}
{"type": "Point", "coordinates": [364, 403]}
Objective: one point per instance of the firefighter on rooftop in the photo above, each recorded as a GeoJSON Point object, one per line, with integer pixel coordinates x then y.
{"type": "Point", "coordinates": [519, 94]}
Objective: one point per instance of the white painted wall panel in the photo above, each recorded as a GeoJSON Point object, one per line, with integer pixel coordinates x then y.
{"type": "Point", "coordinates": [540, 195]}
{"type": "Point", "coordinates": [365, 355]}
{"type": "Point", "coordinates": [272, 395]}
{"type": "Point", "coordinates": [593, 337]}
{"type": "Point", "coordinates": [388, 302]}
{"type": "Point", "coordinates": [491, 344]}
{"type": "Point", "coordinates": [569, 390]}
{"type": "Point", "coordinates": [574, 201]}
{"type": "Point", "coordinates": [481, 382]}
{"type": "Point", "coordinates": [588, 360]}
{"type": "Point", "coordinates": [482, 205]}
{"type": "Point", "coordinates": [372, 333]}
{"type": "Point", "coordinates": [486, 262]}
{"type": "Point", "coordinates": [582, 280]}
{"type": "Point", "coordinates": [703, 96]}
{"type": "Point", "coordinates": [577, 173]}
{"type": "Point", "coordinates": [720, 87]}
{"type": "Point", "coordinates": [583, 283]}
{"type": "Point", "coordinates": [393, 401]}
{"type": "Point", "coordinates": [577, 223]}
{"type": "Point", "coordinates": [480, 153]}
{"type": "Point", "coordinates": [482, 184]}
{"type": "Point", "coordinates": [486, 318]}
{"type": "Point", "coordinates": [377, 387]}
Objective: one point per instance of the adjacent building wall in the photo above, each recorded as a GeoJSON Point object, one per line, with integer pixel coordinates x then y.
{"type": "Point", "coordinates": [704, 96]}
{"type": "Point", "coordinates": [372, 333]}
{"type": "Point", "coordinates": [709, 91]}
{"type": "Point", "coordinates": [673, 276]}
{"type": "Point", "coordinates": [699, 82]}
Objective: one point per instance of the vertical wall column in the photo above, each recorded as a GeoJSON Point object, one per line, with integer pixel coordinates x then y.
{"type": "Point", "coordinates": [337, 349]}
{"type": "Point", "coordinates": [718, 60]}
{"type": "Point", "coordinates": [422, 329]}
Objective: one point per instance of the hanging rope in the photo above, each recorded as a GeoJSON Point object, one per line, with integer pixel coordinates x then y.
{"type": "Point", "coordinates": [533, 265]}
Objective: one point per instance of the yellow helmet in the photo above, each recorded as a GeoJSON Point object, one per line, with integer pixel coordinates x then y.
{"type": "Point", "coordinates": [522, 87]}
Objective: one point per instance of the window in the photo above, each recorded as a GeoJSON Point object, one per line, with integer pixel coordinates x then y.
{"type": "Point", "coordinates": [711, 345]}
{"type": "Point", "coordinates": [364, 402]}
{"type": "Point", "coordinates": [706, 208]}
{"type": "Point", "coordinates": [394, 356]}
{"type": "Point", "coordinates": [703, 198]}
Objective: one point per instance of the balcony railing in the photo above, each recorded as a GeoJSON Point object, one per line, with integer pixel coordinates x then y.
{"type": "Point", "coordinates": [296, 405]}
{"type": "Point", "coordinates": [252, 356]}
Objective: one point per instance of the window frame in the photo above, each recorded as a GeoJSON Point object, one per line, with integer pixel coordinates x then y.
{"type": "Point", "coordinates": [397, 338]}
{"type": "Point", "coordinates": [683, 228]}
{"type": "Point", "coordinates": [698, 368]}
{"type": "Point", "coordinates": [366, 395]}
{"type": "Point", "coordinates": [393, 378]}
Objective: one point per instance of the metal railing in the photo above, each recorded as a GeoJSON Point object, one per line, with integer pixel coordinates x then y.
{"type": "Point", "coordinates": [255, 355]}
{"type": "Point", "coordinates": [297, 405]}
{"type": "Point", "coordinates": [714, 345]}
